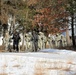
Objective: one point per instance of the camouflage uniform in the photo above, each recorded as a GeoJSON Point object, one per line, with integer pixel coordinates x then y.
{"type": "Point", "coordinates": [42, 41]}
{"type": "Point", "coordinates": [50, 41]}
{"type": "Point", "coordinates": [57, 40]}
{"type": "Point", "coordinates": [63, 39]}
{"type": "Point", "coordinates": [29, 41]}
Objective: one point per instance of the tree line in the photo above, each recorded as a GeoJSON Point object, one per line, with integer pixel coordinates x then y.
{"type": "Point", "coordinates": [48, 16]}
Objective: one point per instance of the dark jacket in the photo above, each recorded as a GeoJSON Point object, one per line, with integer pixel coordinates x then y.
{"type": "Point", "coordinates": [16, 38]}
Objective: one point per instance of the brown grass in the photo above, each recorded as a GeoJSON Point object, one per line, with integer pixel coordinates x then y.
{"type": "Point", "coordinates": [2, 49]}
{"type": "Point", "coordinates": [3, 74]}
{"type": "Point", "coordinates": [16, 66]}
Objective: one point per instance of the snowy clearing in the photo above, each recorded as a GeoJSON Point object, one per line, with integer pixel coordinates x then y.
{"type": "Point", "coordinates": [44, 62]}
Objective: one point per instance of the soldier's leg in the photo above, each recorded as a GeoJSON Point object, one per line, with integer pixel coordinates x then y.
{"type": "Point", "coordinates": [35, 46]}
{"type": "Point", "coordinates": [58, 43]}
{"type": "Point", "coordinates": [51, 44]}
{"type": "Point", "coordinates": [26, 46]}
{"type": "Point", "coordinates": [39, 44]}
{"type": "Point", "coordinates": [7, 44]}
{"type": "Point", "coordinates": [17, 49]}
{"type": "Point", "coordinates": [55, 43]}
{"type": "Point", "coordinates": [13, 46]}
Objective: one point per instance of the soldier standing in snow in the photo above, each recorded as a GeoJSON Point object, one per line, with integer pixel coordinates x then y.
{"type": "Point", "coordinates": [16, 39]}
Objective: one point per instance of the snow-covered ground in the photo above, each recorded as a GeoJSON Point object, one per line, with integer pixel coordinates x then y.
{"type": "Point", "coordinates": [44, 62]}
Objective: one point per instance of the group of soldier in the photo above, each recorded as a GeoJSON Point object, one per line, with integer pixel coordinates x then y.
{"type": "Point", "coordinates": [38, 41]}
{"type": "Point", "coordinates": [35, 41]}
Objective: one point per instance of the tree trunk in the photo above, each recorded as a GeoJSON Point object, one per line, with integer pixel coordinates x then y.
{"type": "Point", "coordinates": [72, 26]}
{"type": "Point", "coordinates": [68, 37]}
{"type": "Point", "coordinates": [23, 46]}
{"type": "Point", "coordinates": [13, 22]}
{"type": "Point", "coordinates": [75, 30]}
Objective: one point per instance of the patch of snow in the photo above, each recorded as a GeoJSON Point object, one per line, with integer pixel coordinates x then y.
{"type": "Point", "coordinates": [44, 62]}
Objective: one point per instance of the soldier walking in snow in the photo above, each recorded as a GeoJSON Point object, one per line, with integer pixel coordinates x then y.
{"type": "Point", "coordinates": [16, 39]}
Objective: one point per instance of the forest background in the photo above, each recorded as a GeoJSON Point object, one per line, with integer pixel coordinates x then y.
{"type": "Point", "coordinates": [48, 16]}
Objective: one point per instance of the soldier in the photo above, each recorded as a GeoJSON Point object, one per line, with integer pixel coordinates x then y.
{"type": "Point", "coordinates": [63, 39]}
{"type": "Point", "coordinates": [28, 40]}
{"type": "Point", "coordinates": [40, 41]}
{"type": "Point", "coordinates": [44, 41]}
{"type": "Point", "coordinates": [50, 41]}
{"type": "Point", "coordinates": [35, 40]}
{"type": "Point", "coordinates": [16, 39]}
{"type": "Point", "coordinates": [57, 40]}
